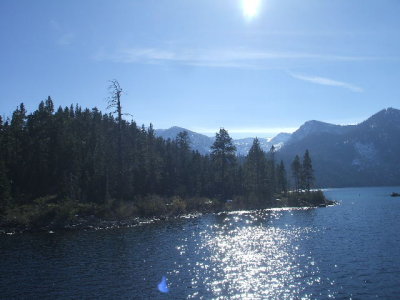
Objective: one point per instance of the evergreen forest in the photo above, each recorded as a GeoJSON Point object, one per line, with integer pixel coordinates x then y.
{"type": "Point", "coordinates": [60, 164]}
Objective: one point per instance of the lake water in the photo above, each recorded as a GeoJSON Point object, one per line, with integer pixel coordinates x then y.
{"type": "Point", "coordinates": [348, 251]}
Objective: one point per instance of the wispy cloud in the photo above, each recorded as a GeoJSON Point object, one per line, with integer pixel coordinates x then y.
{"type": "Point", "coordinates": [64, 37]}
{"type": "Point", "coordinates": [232, 58]}
{"type": "Point", "coordinates": [327, 81]}
{"type": "Point", "coordinates": [55, 25]}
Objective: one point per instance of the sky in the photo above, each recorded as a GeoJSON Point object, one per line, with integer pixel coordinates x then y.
{"type": "Point", "coordinates": [254, 67]}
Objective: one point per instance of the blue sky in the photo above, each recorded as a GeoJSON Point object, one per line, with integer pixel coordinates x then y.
{"type": "Point", "coordinates": [205, 64]}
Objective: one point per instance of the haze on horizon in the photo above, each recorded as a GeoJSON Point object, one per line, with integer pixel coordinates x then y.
{"type": "Point", "coordinates": [254, 67]}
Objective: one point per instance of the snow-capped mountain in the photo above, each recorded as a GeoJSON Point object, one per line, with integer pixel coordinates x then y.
{"type": "Point", "coordinates": [280, 140]}
{"type": "Point", "coordinates": [202, 143]}
{"type": "Point", "coordinates": [243, 145]}
{"type": "Point", "coordinates": [199, 142]}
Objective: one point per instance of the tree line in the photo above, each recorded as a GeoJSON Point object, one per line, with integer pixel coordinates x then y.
{"type": "Point", "coordinates": [91, 157]}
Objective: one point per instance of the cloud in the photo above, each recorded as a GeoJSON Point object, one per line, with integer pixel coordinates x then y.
{"type": "Point", "coordinates": [55, 25]}
{"type": "Point", "coordinates": [327, 81]}
{"type": "Point", "coordinates": [227, 58]}
{"type": "Point", "coordinates": [66, 39]}
{"type": "Point", "coordinates": [63, 37]}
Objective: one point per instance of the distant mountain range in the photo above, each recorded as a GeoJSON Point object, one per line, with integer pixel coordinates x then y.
{"type": "Point", "coordinates": [365, 154]}
{"type": "Point", "coordinates": [202, 143]}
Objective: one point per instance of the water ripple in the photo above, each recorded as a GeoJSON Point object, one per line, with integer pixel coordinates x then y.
{"type": "Point", "coordinates": [244, 259]}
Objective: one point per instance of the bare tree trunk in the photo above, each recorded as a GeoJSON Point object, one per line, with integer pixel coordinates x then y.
{"type": "Point", "coordinates": [115, 102]}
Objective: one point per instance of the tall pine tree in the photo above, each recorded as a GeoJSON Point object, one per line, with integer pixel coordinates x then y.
{"type": "Point", "coordinates": [296, 172]}
{"type": "Point", "coordinates": [307, 172]}
{"type": "Point", "coordinates": [281, 178]}
{"type": "Point", "coordinates": [255, 174]}
{"type": "Point", "coordinates": [5, 190]}
{"type": "Point", "coordinates": [224, 160]}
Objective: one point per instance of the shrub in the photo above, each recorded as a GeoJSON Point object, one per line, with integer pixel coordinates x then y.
{"type": "Point", "coordinates": [177, 206]}
{"type": "Point", "coordinates": [151, 205]}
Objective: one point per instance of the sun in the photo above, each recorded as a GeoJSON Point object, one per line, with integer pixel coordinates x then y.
{"type": "Point", "coordinates": [251, 8]}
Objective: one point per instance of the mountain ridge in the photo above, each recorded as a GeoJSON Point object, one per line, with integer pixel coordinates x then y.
{"type": "Point", "coordinates": [343, 155]}
{"type": "Point", "coordinates": [365, 154]}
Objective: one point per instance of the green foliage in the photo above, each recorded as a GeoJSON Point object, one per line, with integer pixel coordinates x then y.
{"type": "Point", "coordinates": [47, 211]}
{"type": "Point", "coordinates": [150, 206]}
{"type": "Point", "coordinates": [121, 210]}
{"type": "Point", "coordinates": [45, 200]}
{"type": "Point", "coordinates": [178, 206]}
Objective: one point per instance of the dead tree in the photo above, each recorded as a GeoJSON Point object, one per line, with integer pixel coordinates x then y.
{"type": "Point", "coordinates": [114, 102]}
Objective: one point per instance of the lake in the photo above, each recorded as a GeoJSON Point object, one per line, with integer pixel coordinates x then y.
{"type": "Point", "coordinates": [348, 251]}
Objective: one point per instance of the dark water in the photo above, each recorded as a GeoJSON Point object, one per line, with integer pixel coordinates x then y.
{"type": "Point", "coordinates": [346, 251]}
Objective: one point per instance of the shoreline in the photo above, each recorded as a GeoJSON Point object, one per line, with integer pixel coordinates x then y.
{"type": "Point", "coordinates": [92, 222]}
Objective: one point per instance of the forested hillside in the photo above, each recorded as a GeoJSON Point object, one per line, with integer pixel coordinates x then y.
{"type": "Point", "coordinates": [366, 154]}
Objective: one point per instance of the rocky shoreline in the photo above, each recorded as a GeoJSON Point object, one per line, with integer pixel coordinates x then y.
{"type": "Point", "coordinates": [88, 223]}
{"type": "Point", "coordinates": [95, 223]}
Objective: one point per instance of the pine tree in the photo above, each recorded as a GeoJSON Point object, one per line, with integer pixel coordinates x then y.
{"type": "Point", "coordinates": [183, 160]}
{"type": "Point", "coordinates": [224, 161]}
{"type": "Point", "coordinates": [183, 141]}
{"type": "Point", "coordinates": [255, 173]}
{"type": "Point", "coordinates": [307, 172]}
{"type": "Point", "coordinates": [271, 169]}
{"type": "Point", "coordinates": [281, 178]}
{"type": "Point", "coordinates": [296, 172]}
{"type": "Point", "coordinates": [17, 149]}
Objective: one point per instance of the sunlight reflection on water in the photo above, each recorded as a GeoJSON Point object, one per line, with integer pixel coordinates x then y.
{"type": "Point", "coordinates": [244, 258]}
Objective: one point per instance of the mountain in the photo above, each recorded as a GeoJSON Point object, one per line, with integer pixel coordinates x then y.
{"type": "Point", "coordinates": [280, 140]}
{"type": "Point", "coordinates": [317, 127]}
{"type": "Point", "coordinates": [243, 145]}
{"type": "Point", "coordinates": [199, 142]}
{"type": "Point", "coordinates": [366, 154]}
{"type": "Point", "coordinates": [202, 143]}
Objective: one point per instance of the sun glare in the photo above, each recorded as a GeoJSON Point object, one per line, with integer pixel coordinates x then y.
{"type": "Point", "coordinates": [251, 8]}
